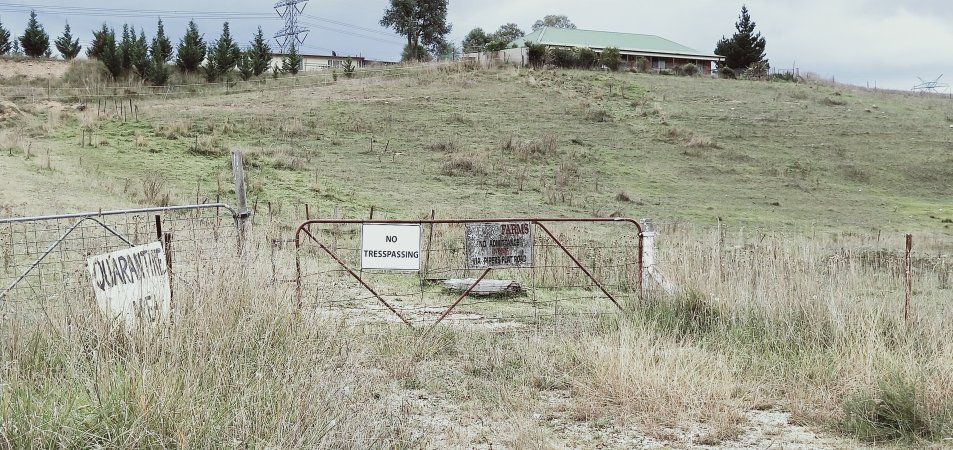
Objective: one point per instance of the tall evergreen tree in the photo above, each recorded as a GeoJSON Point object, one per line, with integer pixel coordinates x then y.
{"type": "Point", "coordinates": [246, 65]}
{"type": "Point", "coordinates": [161, 48]}
{"type": "Point", "coordinates": [5, 44]}
{"type": "Point", "coordinates": [191, 50]}
{"type": "Point", "coordinates": [125, 48]}
{"type": "Point", "coordinates": [224, 52]}
{"type": "Point", "coordinates": [140, 54]}
{"type": "Point", "coordinates": [260, 54]}
{"type": "Point", "coordinates": [35, 41]}
{"type": "Point", "coordinates": [95, 49]}
{"type": "Point", "coordinates": [67, 46]}
{"type": "Point", "coordinates": [108, 52]}
{"type": "Point", "coordinates": [292, 61]}
{"type": "Point", "coordinates": [746, 47]}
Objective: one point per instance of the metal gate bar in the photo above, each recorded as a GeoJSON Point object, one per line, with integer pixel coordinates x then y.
{"type": "Point", "coordinates": [305, 229]}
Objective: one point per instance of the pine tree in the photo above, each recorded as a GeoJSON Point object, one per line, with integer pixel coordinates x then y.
{"type": "Point", "coordinates": [125, 48]}
{"type": "Point", "coordinates": [95, 49]}
{"type": "Point", "coordinates": [246, 65]}
{"type": "Point", "coordinates": [260, 54]}
{"type": "Point", "coordinates": [745, 48]}
{"type": "Point", "coordinates": [224, 52]}
{"type": "Point", "coordinates": [108, 52]}
{"type": "Point", "coordinates": [140, 54]}
{"type": "Point", "coordinates": [161, 48]}
{"type": "Point", "coordinates": [35, 41]}
{"type": "Point", "coordinates": [292, 61]}
{"type": "Point", "coordinates": [191, 50]}
{"type": "Point", "coordinates": [67, 46]}
{"type": "Point", "coordinates": [5, 44]}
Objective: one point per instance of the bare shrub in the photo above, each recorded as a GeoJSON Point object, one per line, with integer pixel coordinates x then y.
{"type": "Point", "coordinates": [448, 146]}
{"type": "Point", "coordinates": [702, 143]}
{"type": "Point", "coordinates": [154, 190]}
{"type": "Point", "coordinates": [464, 165]}
{"type": "Point", "coordinates": [623, 197]}
{"type": "Point", "coordinates": [174, 129]}
{"type": "Point", "coordinates": [598, 115]}
{"type": "Point", "coordinates": [209, 145]}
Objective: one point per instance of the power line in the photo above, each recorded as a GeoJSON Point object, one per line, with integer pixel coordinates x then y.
{"type": "Point", "coordinates": [355, 34]}
{"type": "Point", "coordinates": [337, 22]}
{"type": "Point", "coordinates": [122, 12]}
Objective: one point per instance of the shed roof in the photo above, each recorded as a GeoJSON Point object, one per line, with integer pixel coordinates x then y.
{"type": "Point", "coordinates": [566, 37]}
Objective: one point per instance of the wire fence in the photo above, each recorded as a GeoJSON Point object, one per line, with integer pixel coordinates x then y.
{"type": "Point", "coordinates": [43, 259]}
{"type": "Point", "coordinates": [585, 268]}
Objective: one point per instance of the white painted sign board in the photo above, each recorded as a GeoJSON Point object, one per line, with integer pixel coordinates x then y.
{"type": "Point", "coordinates": [132, 285]}
{"type": "Point", "coordinates": [499, 245]}
{"type": "Point", "coordinates": [390, 247]}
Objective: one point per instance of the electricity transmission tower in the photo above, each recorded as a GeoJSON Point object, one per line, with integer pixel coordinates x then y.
{"type": "Point", "coordinates": [930, 86]}
{"type": "Point", "coordinates": [292, 32]}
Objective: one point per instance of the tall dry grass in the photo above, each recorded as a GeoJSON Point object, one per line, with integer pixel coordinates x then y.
{"type": "Point", "coordinates": [789, 322]}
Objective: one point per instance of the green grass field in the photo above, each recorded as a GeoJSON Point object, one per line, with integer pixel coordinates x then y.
{"type": "Point", "coordinates": [521, 142]}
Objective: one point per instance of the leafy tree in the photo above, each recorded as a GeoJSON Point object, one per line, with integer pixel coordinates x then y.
{"type": "Point", "coordinates": [423, 22]}
{"type": "Point", "coordinates": [191, 50]}
{"type": "Point", "coordinates": [66, 45]}
{"type": "Point", "coordinates": [611, 58]}
{"type": "Point", "coordinates": [5, 44]}
{"type": "Point", "coordinates": [224, 52]}
{"type": "Point", "coordinates": [418, 53]}
{"type": "Point", "coordinates": [161, 49]}
{"type": "Point", "coordinates": [35, 41]}
{"type": "Point", "coordinates": [292, 61]}
{"type": "Point", "coordinates": [555, 21]}
{"type": "Point", "coordinates": [447, 51]}
{"type": "Point", "coordinates": [139, 54]}
{"type": "Point", "coordinates": [536, 54]}
{"type": "Point", "coordinates": [260, 54]}
{"type": "Point", "coordinates": [475, 40]}
{"type": "Point", "coordinates": [508, 33]}
{"type": "Point", "coordinates": [745, 48]}
{"type": "Point", "coordinates": [246, 65]}
{"type": "Point", "coordinates": [586, 58]}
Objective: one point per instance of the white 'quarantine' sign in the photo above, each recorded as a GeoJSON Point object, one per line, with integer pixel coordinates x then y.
{"type": "Point", "coordinates": [390, 247]}
{"type": "Point", "coordinates": [132, 285]}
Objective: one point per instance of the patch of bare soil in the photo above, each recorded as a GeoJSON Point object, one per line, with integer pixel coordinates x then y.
{"type": "Point", "coordinates": [32, 68]}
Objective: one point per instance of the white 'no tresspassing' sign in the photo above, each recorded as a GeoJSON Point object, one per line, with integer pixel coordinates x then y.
{"type": "Point", "coordinates": [390, 247]}
{"type": "Point", "coordinates": [132, 285]}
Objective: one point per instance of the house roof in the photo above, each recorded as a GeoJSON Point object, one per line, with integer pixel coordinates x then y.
{"type": "Point", "coordinates": [625, 42]}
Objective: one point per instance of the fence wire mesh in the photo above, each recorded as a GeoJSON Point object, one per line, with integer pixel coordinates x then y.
{"type": "Point", "coordinates": [553, 287]}
{"type": "Point", "coordinates": [43, 260]}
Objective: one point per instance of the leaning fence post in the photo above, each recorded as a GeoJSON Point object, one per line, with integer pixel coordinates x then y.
{"type": "Point", "coordinates": [238, 172]}
{"type": "Point", "coordinates": [908, 272]}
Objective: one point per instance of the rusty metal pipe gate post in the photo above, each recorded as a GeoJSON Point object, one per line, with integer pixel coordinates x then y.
{"type": "Point", "coordinates": [304, 228]}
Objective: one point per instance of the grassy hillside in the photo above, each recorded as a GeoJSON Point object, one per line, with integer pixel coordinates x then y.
{"type": "Point", "coordinates": [519, 142]}
{"type": "Point", "coordinates": [773, 338]}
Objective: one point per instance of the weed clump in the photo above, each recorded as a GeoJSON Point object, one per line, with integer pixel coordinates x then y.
{"type": "Point", "coordinates": [894, 413]}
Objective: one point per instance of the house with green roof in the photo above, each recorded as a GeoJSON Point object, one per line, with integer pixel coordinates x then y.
{"type": "Point", "coordinates": [661, 53]}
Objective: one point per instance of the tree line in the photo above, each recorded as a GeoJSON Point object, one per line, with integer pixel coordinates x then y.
{"type": "Point", "coordinates": [131, 54]}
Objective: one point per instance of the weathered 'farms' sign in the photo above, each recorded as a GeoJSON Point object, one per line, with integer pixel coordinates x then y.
{"type": "Point", "coordinates": [390, 247]}
{"type": "Point", "coordinates": [132, 285]}
{"type": "Point", "coordinates": [499, 245]}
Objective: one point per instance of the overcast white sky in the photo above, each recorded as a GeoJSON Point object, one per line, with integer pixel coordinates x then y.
{"type": "Point", "coordinates": [855, 41]}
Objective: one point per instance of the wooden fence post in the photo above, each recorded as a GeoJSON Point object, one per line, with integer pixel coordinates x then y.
{"type": "Point", "coordinates": [908, 272]}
